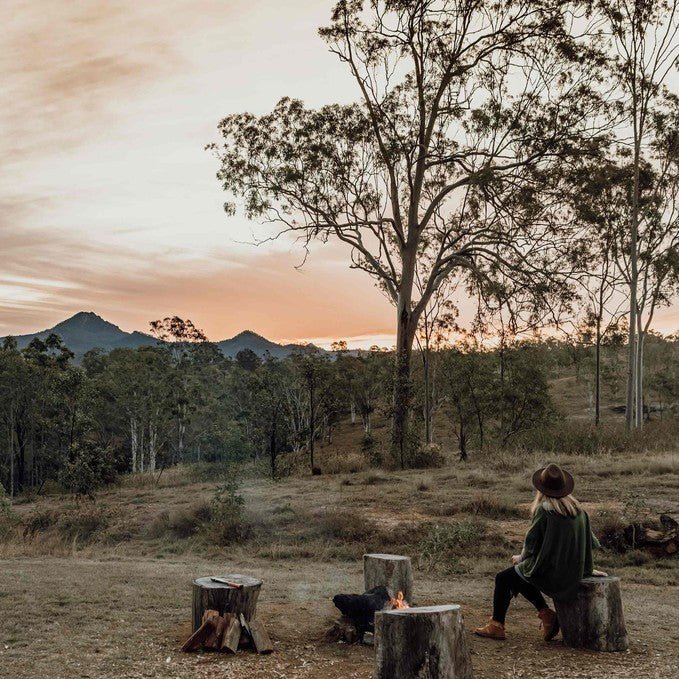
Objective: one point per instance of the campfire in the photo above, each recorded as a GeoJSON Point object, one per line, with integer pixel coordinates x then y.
{"type": "Point", "coordinates": [358, 613]}
{"type": "Point", "coordinates": [398, 602]}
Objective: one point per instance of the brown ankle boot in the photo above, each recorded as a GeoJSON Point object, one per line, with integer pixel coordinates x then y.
{"type": "Point", "coordinates": [492, 630]}
{"type": "Point", "coordinates": [549, 623]}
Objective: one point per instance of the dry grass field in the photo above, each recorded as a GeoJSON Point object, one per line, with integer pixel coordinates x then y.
{"type": "Point", "coordinates": [102, 588]}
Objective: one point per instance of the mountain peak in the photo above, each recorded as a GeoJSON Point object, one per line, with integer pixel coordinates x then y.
{"type": "Point", "coordinates": [248, 334]}
{"type": "Point", "coordinates": [86, 320]}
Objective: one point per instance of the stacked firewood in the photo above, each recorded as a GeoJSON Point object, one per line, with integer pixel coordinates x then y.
{"type": "Point", "coordinates": [228, 632]}
{"type": "Point", "coordinates": [660, 538]}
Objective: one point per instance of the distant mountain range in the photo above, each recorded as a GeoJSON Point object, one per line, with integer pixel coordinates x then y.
{"type": "Point", "coordinates": [86, 330]}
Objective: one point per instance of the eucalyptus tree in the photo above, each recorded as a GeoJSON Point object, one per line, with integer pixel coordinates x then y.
{"type": "Point", "coordinates": [436, 170]}
{"type": "Point", "coordinates": [645, 40]}
{"type": "Point", "coordinates": [183, 340]}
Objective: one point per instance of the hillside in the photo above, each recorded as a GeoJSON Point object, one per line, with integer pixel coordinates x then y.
{"type": "Point", "coordinates": [86, 330]}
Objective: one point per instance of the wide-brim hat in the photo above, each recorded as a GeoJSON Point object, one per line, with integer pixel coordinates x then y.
{"type": "Point", "coordinates": [553, 481]}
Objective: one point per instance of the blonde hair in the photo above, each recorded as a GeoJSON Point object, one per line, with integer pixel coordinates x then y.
{"type": "Point", "coordinates": [566, 506]}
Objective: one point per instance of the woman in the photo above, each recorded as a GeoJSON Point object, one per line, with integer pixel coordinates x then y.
{"type": "Point", "coordinates": [556, 555]}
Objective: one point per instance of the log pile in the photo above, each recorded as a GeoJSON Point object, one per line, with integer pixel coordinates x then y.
{"type": "Point", "coordinates": [228, 632]}
{"type": "Point", "coordinates": [660, 538]}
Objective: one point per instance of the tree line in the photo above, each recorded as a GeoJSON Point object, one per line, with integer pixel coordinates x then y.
{"type": "Point", "coordinates": [141, 410]}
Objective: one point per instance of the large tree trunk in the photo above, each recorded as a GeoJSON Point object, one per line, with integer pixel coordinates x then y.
{"type": "Point", "coordinates": [597, 373]}
{"type": "Point", "coordinates": [426, 642]}
{"type": "Point", "coordinates": [153, 444]}
{"type": "Point", "coordinates": [133, 443]}
{"type": "Point", "coordinates": [633, 274]}
{"type": "Point", "coordinates": [639, 409]}
{"type": "Point", "coordinates": [594, 618]}
{"type": "Point", "coordinates": [402, 385]}
{"type": "Point", "coordinates": [312, 422]}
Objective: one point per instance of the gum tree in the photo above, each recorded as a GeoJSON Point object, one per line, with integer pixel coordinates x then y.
{"type": "Point", "coordinates": [463, 109]}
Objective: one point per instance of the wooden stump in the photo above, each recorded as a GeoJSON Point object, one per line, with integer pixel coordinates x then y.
{"type": "Point", "coordinates": [390, 570]}
{"type": "Point", "coordinates": [413, 643]}
{"type": "Point", "coordinates": [594, 618]}
{"type": "Point", "coordinates": [218, 596]}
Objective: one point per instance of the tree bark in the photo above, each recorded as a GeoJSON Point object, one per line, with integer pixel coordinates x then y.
{"type": "Point", "coordinates": [594, 618]}
{"type": "Point", "coordinates": [210, 595]}
{"type": "Point", "coordinates": [426, 642]}
{"type": "Point", "coordinates": [597, 375]}
{"type": "Point", "coordinates": [391, 570]}
{"type": "Point", "coordinates": [402, 386]}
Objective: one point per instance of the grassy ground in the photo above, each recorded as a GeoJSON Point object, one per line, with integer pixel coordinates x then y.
{"type": "Point", "coordinates": [102, 589]}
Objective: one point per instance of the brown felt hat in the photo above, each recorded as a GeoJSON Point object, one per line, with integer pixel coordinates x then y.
{"type": "Point", "coordinates": [553, 481]}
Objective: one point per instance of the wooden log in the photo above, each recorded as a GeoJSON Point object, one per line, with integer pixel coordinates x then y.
{"type": "Point", "coordinates": [231, 636]}
{"type": "Point", "coordinates": [197, 639]}
{"type": "Point", "coordinates": [260, 637]}
{"type": "Point", "coordinates": [426, 641]}
{"type": "Point", "coordinates": [393, 571]}
{"type": "Point", "coordinates": [344, 630]}
{"type": "Point", "coordinates": [208, 594]}
{"type": "Point", "coordinates": [594, 618]}
{"type": "Point", "coordinates": [214, 638]}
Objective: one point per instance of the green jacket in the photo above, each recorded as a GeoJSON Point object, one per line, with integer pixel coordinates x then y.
{"type": "Point", "coordinates": [557, 553]}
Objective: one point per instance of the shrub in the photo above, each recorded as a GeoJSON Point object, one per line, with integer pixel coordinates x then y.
{"type": "Point", "coordinates": [83, 523]}
{"type": "Point", "coordinates": [373, 454]}
{"type": "Point", "coordinates": [227, 522]}
{"type": "Point", "coordinates": [40, 521]}
{"type": "Point", "coordinates": [181, 523]}
{"type": "Point", "coordinates": [291, 464]}
{"type": "Point", "coordinates": [446, 542]}
{"type": "Point", "coordinates": [348, 526]}
{"type": "Point", "coordinates": [89, 467]}
{"type": "Point", "coordinates": [427, 456]}
{"type": "Point", "coordinates": [492, 506]}
{"type": "Point", "coordinates": [349, 463]}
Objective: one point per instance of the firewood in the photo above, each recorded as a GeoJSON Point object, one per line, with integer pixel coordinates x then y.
{"type": "Point", "coordinates": [231, 636]}
{"type": "Point", "coordinates": [260, 637]}
{"type": "Point", "coordinates": [214, 639]}
{"type": "Point", "coordinates": [245, 633]}
{"type": "Point", "coordinates": [196, 640]}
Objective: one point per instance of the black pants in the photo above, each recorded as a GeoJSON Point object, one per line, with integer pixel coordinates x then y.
{"type": "Point", "coordinates": [509, 583]}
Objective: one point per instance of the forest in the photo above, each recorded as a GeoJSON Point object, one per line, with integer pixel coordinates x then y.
{"type": "Point", "coordinates": [142, 410]}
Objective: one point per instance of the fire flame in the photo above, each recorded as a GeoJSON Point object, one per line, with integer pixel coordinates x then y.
{"type": "Point", "coordinates": [397, 601]}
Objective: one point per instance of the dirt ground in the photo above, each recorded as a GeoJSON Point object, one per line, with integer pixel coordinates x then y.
{"type": "Point", "coordinates": [103, 588]}
{"type": "Point", "coordinates": [125, 617]}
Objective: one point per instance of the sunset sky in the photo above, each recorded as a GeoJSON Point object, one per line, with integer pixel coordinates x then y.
{"type": "Point", "coordinates": [108, 200]}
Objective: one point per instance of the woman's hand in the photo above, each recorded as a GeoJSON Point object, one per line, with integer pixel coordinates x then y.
{"type": "Point", "coordinates": [598, 574]}
{"type": "Point", "coordinates": [516, 559]}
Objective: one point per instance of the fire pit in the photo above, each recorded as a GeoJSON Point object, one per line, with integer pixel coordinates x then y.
{"type": "Point", "coordinates": [358, 612]}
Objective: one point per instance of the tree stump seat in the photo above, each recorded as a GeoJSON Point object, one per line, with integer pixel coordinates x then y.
{"type": "Point", "coordinates": [427, 642]}
{"type": "Point", "coordinates": [594, 618]}
{"type": "Point", "coordinates": [392, 571]}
